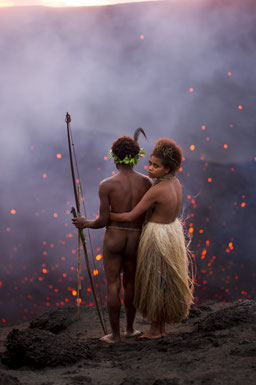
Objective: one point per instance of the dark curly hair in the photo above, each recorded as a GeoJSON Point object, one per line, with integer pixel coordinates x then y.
{"type": "Point", "coordinates": [125, 145]}
{"type": "Point", "coordinates": [169, 152]}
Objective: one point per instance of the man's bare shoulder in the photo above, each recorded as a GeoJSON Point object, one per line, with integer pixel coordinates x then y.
{"type": "Point", "coordinates": [145, 179]}
{"type": "Point", "coordinates": [108, 182]}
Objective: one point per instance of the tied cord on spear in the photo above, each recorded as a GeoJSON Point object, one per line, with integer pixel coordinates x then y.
{"type": "Point", "coordinates": [76, 212]}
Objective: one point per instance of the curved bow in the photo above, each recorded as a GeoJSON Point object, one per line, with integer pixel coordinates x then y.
{"type": "Point", "coordinates": [82, 235]}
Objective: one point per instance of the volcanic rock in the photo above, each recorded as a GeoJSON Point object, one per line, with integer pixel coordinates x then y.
{"type": "Point", "coordinates": [55, 320]}
{"type": "Point", "coordinates": [40, 348]}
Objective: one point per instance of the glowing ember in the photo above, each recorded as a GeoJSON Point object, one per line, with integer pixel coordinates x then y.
{"type": "Point", "coordinates": [95, 272]}
{"type": "Point", "coordinates": [225, 146]}
{"type": "Point", "coordinates": [141, 37]}
{"type": "Point", "coordinates": [229, 73]}
{"type": "Point", "coordinates": [98, 257]}
{"type": "Point", "coordinates": [55, 215]}
{"type": "Point", "coordinates": [240, 107]}
{"type": "Point", "coordinates": [203, 127]}
{"type": "Point", "coordinates": [13, 212]}
{"type": "Point", "coordinates": [209, 180]}
{"type": "Point", "coordinates": [44, 175]}
{"type": "Point", "coordinates": [74, 292]}
{"type": "Point", "coordinates": [58, 156]}
{"type": "Point", "coordinates": [192, 147]}
{"type": "Point", "coordinates": [243, 204]}
{"type": "Point", "coordinates": [105, 158]}
{"type": "Point", "coordinates": [191, 90]}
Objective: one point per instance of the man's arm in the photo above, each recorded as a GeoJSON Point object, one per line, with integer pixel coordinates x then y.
{"type": "Point", "coordinates": [104, 211]}
{"type": "Point", "coordinates": [147, 201]}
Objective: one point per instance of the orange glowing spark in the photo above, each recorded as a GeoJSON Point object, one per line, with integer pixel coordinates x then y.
{"type": "Point", "coordinates": [44, 175]}
{"type": "Point", "coordinates": [77, 181]}
{"type": "Point", "coordinates": [180, 169]}
{"type": "Point", "coordinates": [230, 245]}
{"type": "Point", "coordinates": [141, 37]}
{"type": "Point", "coordinates": [55, 215]}
{"type": "Point", "coordinates": [225, 146]}
{"type": "Point", "coordinates": [243, 204]}
{"type": "Point", "coordinates": [98, 257]}
{"type": "Point", "coordinates": [13, 212]}
{"type": "Point", "coordinates": [58, 156]}
{"type": "Point", "coordinates": [240, 107]}
{"type": "Point", "coordinates": [201, 231]}
{"type": "Point", "coordinates": [105, 158]}
{"type": "Point", "coordinates": [45, 271]}
{"type": "Point", "coordinates": [203, 127]}
{"type": "Point", "coordinates": [95, 272]}
{"type": "Point", "coordinates": [191, 230]}
{"type": "Point", "coordinates": [192, 147]}
{"type": "Point", "coordinates": [74, 292]}
{"type": "Point", "coordinates": [209, 180]}
{"type": "Point", "coordinates": [229, 73]}
{"type": "Point", "coordinates": [189, 196]}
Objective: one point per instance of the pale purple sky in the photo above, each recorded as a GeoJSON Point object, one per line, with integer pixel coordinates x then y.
{"type": "Point", "coordinates": [63, 3]}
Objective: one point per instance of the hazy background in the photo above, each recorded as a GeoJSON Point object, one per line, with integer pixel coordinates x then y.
{"type": "Point", "coordinates": [183, 69]}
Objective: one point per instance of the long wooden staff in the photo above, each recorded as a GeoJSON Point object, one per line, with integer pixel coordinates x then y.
{"type": "Point", "coordinates": [76, 213]}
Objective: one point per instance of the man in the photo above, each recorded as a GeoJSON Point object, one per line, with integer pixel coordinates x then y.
{"type": "Point", "coordinates": [120, 193]}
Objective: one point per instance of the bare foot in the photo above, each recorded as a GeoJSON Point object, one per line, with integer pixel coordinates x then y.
{"type": "Point", "coordinates": [133, 333]}
{"type": "Point", "coordinates": [109, 339]}
{"type": "Point", "coordinates": [149, 336]}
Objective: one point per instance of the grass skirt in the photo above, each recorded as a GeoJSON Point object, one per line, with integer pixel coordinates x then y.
{"type": "Point", "coordinates": [163, 287]}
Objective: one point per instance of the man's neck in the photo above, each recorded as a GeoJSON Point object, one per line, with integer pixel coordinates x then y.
{"type": "Point", "coordinates": [125, 168]}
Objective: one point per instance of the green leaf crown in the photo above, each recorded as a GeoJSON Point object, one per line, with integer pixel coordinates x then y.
{"type": "Point", "coordinates": [129, 159]}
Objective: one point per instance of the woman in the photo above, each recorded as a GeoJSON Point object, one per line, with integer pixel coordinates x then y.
{"type": "Point", "coordinates": [163, 287]}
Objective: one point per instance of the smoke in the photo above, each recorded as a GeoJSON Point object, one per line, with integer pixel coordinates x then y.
{"type": "Point", "coordinates": [169, 67]}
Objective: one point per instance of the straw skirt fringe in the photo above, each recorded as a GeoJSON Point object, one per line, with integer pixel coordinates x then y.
{"type": "Point", "coordinates": [163, 288]}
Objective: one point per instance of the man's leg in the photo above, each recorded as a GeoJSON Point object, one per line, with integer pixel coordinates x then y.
{"type": "Point", "coordinates": [129, 280]}
{"type": "Point", "coordinates": [112, 266]}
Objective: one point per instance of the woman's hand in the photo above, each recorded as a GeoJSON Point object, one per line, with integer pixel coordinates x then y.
{"type": "Point", "coordinates": [80, 222]}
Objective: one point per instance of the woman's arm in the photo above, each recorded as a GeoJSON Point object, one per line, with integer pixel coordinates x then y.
{"type": "Point", "coordinates": [104, 212]}
{"type": "Point", "coordinates": [147, 201]}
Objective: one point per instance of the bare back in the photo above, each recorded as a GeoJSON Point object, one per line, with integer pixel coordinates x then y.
{"type": "Point", "coordinates": [168, 201]}
{"type": "Point", "coordinates": [126, 190]}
